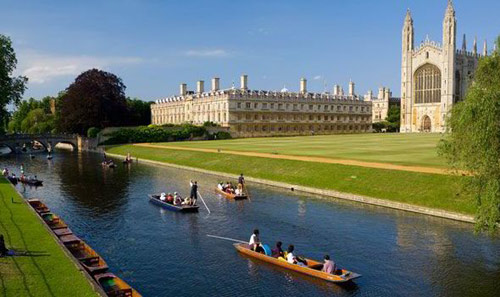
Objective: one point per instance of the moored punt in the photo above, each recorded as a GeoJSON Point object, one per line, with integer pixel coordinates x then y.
{"type": "Point", "coordinates": [53, 221]}
{"type": "Point", "coordinates": [155, 198]}
{"type": "Point", "coordinates": [115, 286]}
{"type": "Point", "coordinates": [62, 232]}
{"type": "Point", "coordinates": [346, 276]}
{"type": "Point", "coordinates": [31, 182]}
{"type": "Point", "coordinates": [89, 258]}
{"type": "Point", "coordinates": [231, 196]}
{"type": "Point", "coordinates": [38, 206]}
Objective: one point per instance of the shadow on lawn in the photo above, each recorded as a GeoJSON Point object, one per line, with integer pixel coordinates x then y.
{"type": "Point", "coordinates": [42, 274]}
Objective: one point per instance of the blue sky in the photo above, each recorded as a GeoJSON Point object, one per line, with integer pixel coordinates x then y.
{"type": "Point", "coordinates": [156, 45]}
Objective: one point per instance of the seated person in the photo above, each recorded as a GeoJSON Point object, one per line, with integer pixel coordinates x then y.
{"type": "Point", "coordinates": [187, 201]}
{"type": "Point", "coordinates": [254, 243]}
{"type": "Point", "coordinates": [163, 197]}
{"type": "Point", "coordinates": [277, 251]}
{"type": "Point", "coordinates": [330, 267]}
{"type": "Point", "coordinates": [220, 187]}
{"type": "Point", "coordinates": [292, 259]}
{"type": "Point", "coordinates": [170, 198]}
{"type": "Point", "coordinates": [178, 200]}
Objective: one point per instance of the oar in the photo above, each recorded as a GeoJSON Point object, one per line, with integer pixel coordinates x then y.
{"type": "Point", "coordinates": [203, 201]}
{"type": "Point", "coordinates": [226, 238]}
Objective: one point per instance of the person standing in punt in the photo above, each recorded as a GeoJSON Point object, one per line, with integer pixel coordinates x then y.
{"type": "Point", "coordinates": [194, 192]}
{"type": "Point", "coordinates": [241, 180]}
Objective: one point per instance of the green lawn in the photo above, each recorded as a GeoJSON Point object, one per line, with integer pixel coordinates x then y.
{"type": "Point", "coordinates": [48, 272]}
{"type": "Point", "coordinates": [430, 190]}
{"type": "Point", "coordinates": [403, 149]}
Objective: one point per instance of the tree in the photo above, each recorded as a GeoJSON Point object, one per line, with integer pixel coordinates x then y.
{"type": "Point", "coordinates": [139, 112]}
{"type": "Point", "coordinates": [23, 108]}
{"type": "Point", "coordinates": [38, 121]}
{"type": "Point", "coordinates": [393, 118]}
{"type": "Point", "coordinates": [473, 140]}
{"type": "Point", "coordinates": [11, 88]}
{"type": "Point", "coordinates": [95, 99]}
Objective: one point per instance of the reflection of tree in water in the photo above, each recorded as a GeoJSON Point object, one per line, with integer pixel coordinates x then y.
{"type": "Point", "coordinates": [449, 259]}
{"type": "Point", "coordinates": [86, 182]}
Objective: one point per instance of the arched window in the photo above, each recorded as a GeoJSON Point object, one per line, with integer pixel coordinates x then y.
{"type": "Point", "coordinates": [427, 84]}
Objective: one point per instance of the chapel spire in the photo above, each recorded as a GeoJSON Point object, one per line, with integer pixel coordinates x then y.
{"type": "Point", "coordinates": [464, 44]}
{"type": "Point", "coordinates": [485, 48]}
{"type": "Point", "coordinates": [474, 47]}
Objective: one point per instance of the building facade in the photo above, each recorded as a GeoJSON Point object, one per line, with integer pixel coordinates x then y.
{"type": "Point", "coordinates": [434, 76]}
{"type": "Point", "coordinates": [382, 103]}
{"type": "Point", "coordinates": [256, 113]}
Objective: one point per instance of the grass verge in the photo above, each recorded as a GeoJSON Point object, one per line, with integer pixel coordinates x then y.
{"type": "Point", "coordinates": [47, 271]}
{"type": "Point", "coordinates": [429, 190]}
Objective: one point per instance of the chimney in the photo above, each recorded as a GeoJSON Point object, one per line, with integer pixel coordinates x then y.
{"type": "Point", "coordinates": [183, 89]}
{"type": "Point", "coordinates": [215, 84]}
{"type": "Point", "coordinates": [200, 87]}
{"type": "Point", "coordinates": [244, 82]}
{"type": "Point", "coordinates": [303, 85]}
{"type": "Point", "coordinates": [351, 88]}
{"type": "Point", "coordinates": [369, 96]}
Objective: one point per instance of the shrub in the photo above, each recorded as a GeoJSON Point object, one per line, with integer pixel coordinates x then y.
{"type": "Point", "coordinates": [92, 132]}
{"type": "Point", "coordinates": [154, 134]}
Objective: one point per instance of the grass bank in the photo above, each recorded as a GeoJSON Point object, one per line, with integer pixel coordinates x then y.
{"type": "Point", "coordinates": [428, 190]}
{"type": "Point", "coordinates": [47, 271]}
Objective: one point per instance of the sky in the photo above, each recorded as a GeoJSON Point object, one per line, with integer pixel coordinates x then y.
{"type": "Point", "coordinates": [153, 45]}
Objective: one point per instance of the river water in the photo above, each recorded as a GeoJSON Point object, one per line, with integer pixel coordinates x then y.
{"type": "Point", "coordinates": [162, 253]}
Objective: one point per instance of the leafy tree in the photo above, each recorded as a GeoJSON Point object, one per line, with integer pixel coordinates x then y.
{"type": "Point", "coordinates": [95, 99]}
{"type": "Point", "coordinates": [38, 121]}
{"type": "Point", "coordinates": [24, 108]}
{"type": "Point", "coordinates": [11, 88]}
{"type": "Point", "coordinates": [473, 141]}
{"type": "Point", "coordinates": [393, 118]}
{"type": "Point", "coordinates": [139, 112]}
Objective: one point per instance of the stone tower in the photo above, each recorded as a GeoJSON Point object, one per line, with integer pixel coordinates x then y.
{"type": "Point", "coordinates": [433, 76]}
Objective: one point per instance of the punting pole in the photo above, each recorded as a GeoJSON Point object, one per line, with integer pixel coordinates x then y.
{"type": "Point", "coordinates": [226, 238]}
{"type": "Point", "coordinates": [203, 201]}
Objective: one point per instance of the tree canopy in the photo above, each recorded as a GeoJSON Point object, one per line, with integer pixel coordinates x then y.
{"type": "Point", "coordinates": [473, 141]}
{"type": "Point", "coordinates": [24, 108]}
{"type": "Point", "coordinates": [95, 99]}
{"type": "Point", "coordinates": [11, 88]}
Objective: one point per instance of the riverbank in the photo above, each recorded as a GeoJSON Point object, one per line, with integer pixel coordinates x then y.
{"type": "Point", "coordinates": [46, 270]}
{"type": "Point", "coordinates": [432, 194]}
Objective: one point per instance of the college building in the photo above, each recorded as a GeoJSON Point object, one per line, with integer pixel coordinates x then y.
{"type": "Point", "coordinates": [434, 76]}
{"type": "Point", "coordinates": [382, 103]}
{"type": "Point", "coordinates": [256, 113]}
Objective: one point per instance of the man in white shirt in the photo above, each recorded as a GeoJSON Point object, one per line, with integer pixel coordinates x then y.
{"type": "Point", "coordinates": [163, 197]}
{"type": "Point", "coordinates": [254, 242]}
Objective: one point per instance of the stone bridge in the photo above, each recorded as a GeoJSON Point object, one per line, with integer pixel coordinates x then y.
{"type": "Point", "coordinates": [15, 142]}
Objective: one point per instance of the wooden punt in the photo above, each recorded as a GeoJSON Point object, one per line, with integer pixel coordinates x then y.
{"type": "Point", "coordinates": [231, 196]}
{"type": "Point", "coordinates": [53, 221]}
{"type": "Point", "coordinates": [115, 286]}
{"type": "Point", "coordinates": [89, 258]}
{"type": "Point", "coordinates": [347, 276]}
{"type": "Point", "coordinates": [38, 206]}
{"type": "Point", "coordinates": [31, 182]}
{"type": "Point", "coordinates": [155, 198]}
{"type": "Point", "coordinates": [62, 232]}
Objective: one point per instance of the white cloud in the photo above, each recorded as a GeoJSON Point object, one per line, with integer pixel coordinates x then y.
{"type": "Point", "coordinates": [317, 77]}
{"type": "Point", "coordinates": [40, 68]}
{"type": "Point", "coordinates": [207, 53]}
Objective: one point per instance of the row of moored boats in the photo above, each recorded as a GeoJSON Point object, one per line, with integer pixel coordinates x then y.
{"type": "Point", "coordinates": [93, 264]}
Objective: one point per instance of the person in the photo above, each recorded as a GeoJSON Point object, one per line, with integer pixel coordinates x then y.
{"type": "Point", "coordinates": [292, 259]}
{"type": "Point", "coordinates": [187, 201]}
{"type": "Point", "coordinates": [194, 192]}
{"type": "Point", "coordinates": [5, 172]}
{"type": "Point", "coordinates": [220, 187]}
{"type": "Point", "coordinates": [239, 190]}
{"type": "Point", "coordinates": [170, 198]}
{"type": "Point", "coordinates": [277, 251]}
{"type": "Point", "coordinates": [330, 267]}
{"type": "Point", "coordinates": [254, 242]}
{"type": "Point", "coordinates": [241, 179]}
{"type": "Point", "coordinates": [22, 169]}
{"type": "Point", "coordinates": [163, 197]}
{"type": "Point", "coordinates": [178, 200]}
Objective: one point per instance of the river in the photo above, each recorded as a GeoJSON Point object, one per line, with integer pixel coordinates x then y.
{"type": "Point", "coordinates": [162, 253]}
